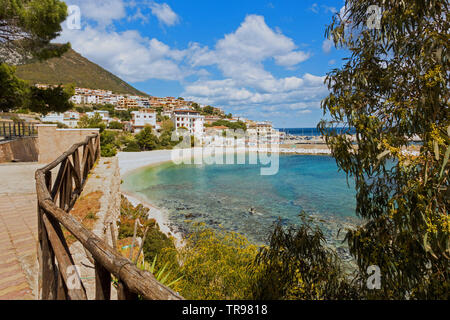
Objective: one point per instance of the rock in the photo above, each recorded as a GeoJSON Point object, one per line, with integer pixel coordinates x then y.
{"type": "Point", "coordinates": [191, 215]}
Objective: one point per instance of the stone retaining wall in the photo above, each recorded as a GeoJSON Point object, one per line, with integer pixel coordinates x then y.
{"type": "Point", "coordinates": [105, 177]}
{"type": "Point", "coordinates": [52, 142]}
{"type": "Point", "coordinates": [22, 149]}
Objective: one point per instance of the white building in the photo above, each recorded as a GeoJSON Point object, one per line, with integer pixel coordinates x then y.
{"type": "Point", "coordinates": [69, 118]}
{"type": "Point", "coordinates": [189, 119]}
{"type": "Point", "coordinates": [85, 99]}
{"type": "Point", "coordinates": [53, 117]}
{"type": "Point", "coordinates": [167, 113]}
{"type": "Point", "coordinates": [142, 118]}
{"type": "Point", "coordinates": [77, 98]}
{"type": "Point", "coordinates": [103, 114]}
{"type": "Point", "coordinates": [263, 132]}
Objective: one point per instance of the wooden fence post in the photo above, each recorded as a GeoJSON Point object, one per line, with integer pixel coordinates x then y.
{"type": "Point", "coordinates": [102, 283]}
{"type": "Point", "coordinates": [48, 268]}
{"type": "Point", "coordinates": [123, 293]}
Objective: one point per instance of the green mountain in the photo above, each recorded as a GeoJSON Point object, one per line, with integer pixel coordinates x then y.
{"type": "Point", "coordinates": [73, 68]}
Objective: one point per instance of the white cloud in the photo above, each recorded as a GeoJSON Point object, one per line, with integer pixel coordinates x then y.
{"type": "Point", "coordinates": [164, 13]}
{"type": "Point", "coordinates": [254, 40]}
{"type": "Point", "coordinates": [324, 8]}
{"type": "Point", "coordinates": [314, 8]}
{"type": "Point", "coordinates": [103, 12]}
{"type": "Point", "coordinates": [329, 9]}
{"type": "Point", "coordinates": [292, 58]}
{"type": "Point", "coordinates": [327, 44]}
{"type": "Point", "coordinates": [240, 55]}
{"type": "Point", "coordinates": [139, 15]}
{"type": "Point", "coordinates": [127, 54]}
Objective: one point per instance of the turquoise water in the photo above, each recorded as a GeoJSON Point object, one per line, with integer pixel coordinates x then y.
{"type": "Point", "coordinates": [222, 195]}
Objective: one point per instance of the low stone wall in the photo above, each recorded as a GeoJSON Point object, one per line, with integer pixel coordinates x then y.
{"type": "Point", "coordinates": [22, 149]}
{"type": "Point", "coordinates": [52, 142]}
{"type": "Point", "coordinates": [105, 177]}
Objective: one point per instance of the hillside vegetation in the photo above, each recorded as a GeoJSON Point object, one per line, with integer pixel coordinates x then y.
{"type": "Point", "coordinates": [72, 68]}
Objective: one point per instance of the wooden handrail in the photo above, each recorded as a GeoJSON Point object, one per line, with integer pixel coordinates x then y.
{"type": "Point", "coordinates": [54, 277]}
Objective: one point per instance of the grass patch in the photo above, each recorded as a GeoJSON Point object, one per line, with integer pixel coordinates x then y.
{"type": "Point", "coordinates": [85, 211]}
{"type": "Point", "coordinates": [86, 208]}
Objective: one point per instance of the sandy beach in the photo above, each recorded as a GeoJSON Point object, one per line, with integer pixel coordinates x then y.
{"type": "Point", "coordinates": [130, 161]}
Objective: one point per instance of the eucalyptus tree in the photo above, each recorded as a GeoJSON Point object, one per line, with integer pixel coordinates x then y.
{"type": "Point", "coordinates": [393, 88]}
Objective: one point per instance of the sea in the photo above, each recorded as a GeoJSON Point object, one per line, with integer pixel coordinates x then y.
{"type": "Point", "coordinates": [238, 198]}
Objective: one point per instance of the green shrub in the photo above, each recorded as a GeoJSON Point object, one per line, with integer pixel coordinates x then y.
{"type": "Point", "coordinates": [60, 125]}
{"type": "Point", "coordinates": [162, 274]}
{"type": "Point", "coordinates": [132, 146]}
{"type": "Point", "coordinates": [155, 240]}
{"type": "Point", "coordinates": [214, 265]}
{"type": "Point", "coordinates": [108, 137]}
{"type": "Point", "coordinates": [297, 265]}
{"type": "Point", "coordinates": [108, 150]}
{"type": "Point", "coordinates": [146, 139]}
{"type": "Point", "coordinates": [115, 125]}
{"type": "Point", "coordinates": [92, 122]}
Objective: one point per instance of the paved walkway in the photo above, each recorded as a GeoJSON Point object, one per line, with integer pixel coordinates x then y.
{"type": "Point", "coordinates": [18, 231]}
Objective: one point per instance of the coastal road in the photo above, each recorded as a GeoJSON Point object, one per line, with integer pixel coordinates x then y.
{"type": "Point", "coordinates": [18, 231]}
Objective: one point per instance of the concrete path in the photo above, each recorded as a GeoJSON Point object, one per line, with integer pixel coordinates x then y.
{"type": "Point", "coordinates": [18, 231]}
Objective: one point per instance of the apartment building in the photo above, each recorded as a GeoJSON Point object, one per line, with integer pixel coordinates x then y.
{"type": "Point", "coordinates": [127, 103]}
{"type": "Point", "coordinates": [142, 118]}
{"type": "Point", "coordinates": [142, 102]}
{"type": "Point", "coordinates": [69, 118]}
{"type": "Point", "coordinates": [189, 119]}
{"type": "Point", "coordinates": [212, 119]}
{"type": "Point", "coordinates": [262, 132]}
{"type": "Point", "coordinates": [167, 113]}
{"type": "Point", "coordinates": [103, 114]}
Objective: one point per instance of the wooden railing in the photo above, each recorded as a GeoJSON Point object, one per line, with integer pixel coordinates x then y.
{"type": "Point", "coordinates": [56, 265]}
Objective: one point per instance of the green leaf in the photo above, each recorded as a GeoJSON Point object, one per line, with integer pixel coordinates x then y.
{"type": "Point", "coordinates": [436, 150]}
{"type": "Point", "coordinates": [152, 268]}
{"type": "Point", "coordinates": [175, 281]}
{"type": "Point", "coordinates": [444, 164]}
{"type": "Point", "coordinates": [160, 273]}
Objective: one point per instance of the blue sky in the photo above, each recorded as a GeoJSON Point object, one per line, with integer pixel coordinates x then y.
{"type": "Point", "coordinates": [264, 60]}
